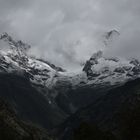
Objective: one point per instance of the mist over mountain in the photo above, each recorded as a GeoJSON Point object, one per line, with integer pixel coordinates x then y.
{"type": "Point", "coordinates": [69, 70]}
{"type": "Point", "coordinates": [71, 30]}
{"type": "Point", "coordinates": [65, 102]}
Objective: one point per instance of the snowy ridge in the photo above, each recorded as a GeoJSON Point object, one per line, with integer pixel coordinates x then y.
{"type": "Point", "coordinates": [101, 70]}
{"type": "Point", "coordinates": [15, 60]}
{"type": "Point", "coordinates": [97, 70]}
{"type": "Point", "coordinates": [40, 72]}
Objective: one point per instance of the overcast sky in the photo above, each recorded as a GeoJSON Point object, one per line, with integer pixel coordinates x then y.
{"type": "Point", "coordinates": [68, 32]}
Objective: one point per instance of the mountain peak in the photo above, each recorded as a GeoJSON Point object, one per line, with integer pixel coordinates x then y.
{"type": "Point", "coordinates": [14, 44]}
{"type": "Point", "coordinates": [3, 35]}
{"type": "Point", "coordinates": [112, 33]}
{"type": "Point", "coordinates": [7, 38]}
{"type": "Point", "coordinates": [110, 37]}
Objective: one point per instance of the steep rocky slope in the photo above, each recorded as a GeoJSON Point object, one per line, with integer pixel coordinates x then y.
{"type": "Point", "coordinates": [12, 128]}
{"type": "Point", "coordinates": [29, 103]}
{"type": "Point", "coordinates": [116, 112]}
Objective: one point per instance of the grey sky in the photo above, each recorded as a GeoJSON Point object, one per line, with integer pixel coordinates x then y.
{"type": "Point", "coordinates": [67, 32]}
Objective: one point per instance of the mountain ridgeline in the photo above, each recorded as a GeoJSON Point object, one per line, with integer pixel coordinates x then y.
{"type": "Point", "coordinates": [41, 101]}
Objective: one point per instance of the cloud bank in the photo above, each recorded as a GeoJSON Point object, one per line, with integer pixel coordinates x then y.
{"type": "Point", "coordinates": [68, 32]}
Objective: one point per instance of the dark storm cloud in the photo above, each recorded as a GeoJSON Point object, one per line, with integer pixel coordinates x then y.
{"type": "Point", "coordinates": [67, 32]}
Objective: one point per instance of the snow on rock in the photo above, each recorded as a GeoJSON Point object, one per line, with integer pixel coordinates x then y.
{"type": "Point", "coordinates": [100, 69]}
{"type": "Point", "coordinates": [97, 70]}
{"type": "Point", "coordinates": [37, 71]}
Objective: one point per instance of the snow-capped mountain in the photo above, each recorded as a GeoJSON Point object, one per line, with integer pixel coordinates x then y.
{"type": "Point", "coordinates": [101, 69]}
{"type": "Point", "coordinates": [97, 70]}
{"type": "Point", "coordinates": [57, 93]}
{"type": "Point", "coordinates": [38, 77]}
{"type": "Point", "coordinates": [51, 81]}
{"type": "Point", "coordinates": [15, 60]}
{"type": "Point", "coordinates": [105, 70]}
